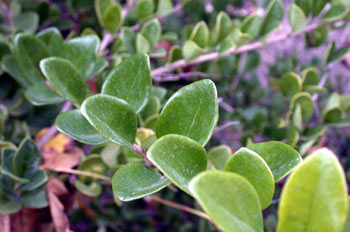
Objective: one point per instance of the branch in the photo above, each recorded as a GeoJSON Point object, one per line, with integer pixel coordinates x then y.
{"type": "Point", "coordinates": [245, 48]}
{"type": "Point", "coordinates": [186, 76]}
{"type": "Point", "coordinates": [178, 206]}
{"type": "Point", "coordinates": [53, 129]}
{"type": "Point", "coordinates": [80, 173]}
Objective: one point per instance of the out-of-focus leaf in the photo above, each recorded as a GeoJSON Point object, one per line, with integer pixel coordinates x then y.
{"type": "Point", "coordinates": [152, 31]}
{"type": "Point", "coordinates": [332, 110]}
{"type": "Point", "coordinates": [273, 17]}
{"type": "Point", "coordinates": [191, 50]}
{"type": "Point", "coordinates": [200, 34]}
{"type": "Point", "coordinates": [144, 9]}
{"type": "Point", "coordinates": [218, 156]}
{"type": "Point", "coordinates": [304, 99]}
{"type": "Point", "coordinates": [40, 94]}
{"type": "Point", "coordinates": [297, 18]}
{"type": "Point", "coordinates": [27, 21]}
{"type": "Point", "coordinates": [290, 84]}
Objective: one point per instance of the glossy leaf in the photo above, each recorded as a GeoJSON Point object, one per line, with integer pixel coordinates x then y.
{"type": "Point", "coordinates": [197, 107]}
{"type": "Point", "coordinates": [112, 117]}
{"type": "Point", "coordinates": [229, 199]}
{"type": "Point", "coordinates": [65, 79]}
{"type": "Point", "coordinates": [179, 158]}
{"type": "Point", "coordinates": [134, 181]}
{"type": "Point", "coordinates": [40, 94]}
{"type": "Point", "coordinates": [281, 158]}
{"type": "Point", "coordinates": [273, 17]}
{"type": "Point", "coordinates": [297, 18]}
{"type": "Point", "coordinates": [131, 81]}
{"type": "Point", "coordinates": [251, 166]}
{"type": "Point", "coordinates": [316, 189]}
{"type": "Point", "coordinates": [218, 156]}
{"type": "Point", "coordinates": [73, 124]}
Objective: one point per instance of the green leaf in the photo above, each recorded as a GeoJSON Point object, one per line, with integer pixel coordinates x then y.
{"type": "Point", "coordinates": [23, 64]}
{"type": "Point", "coordinates": [310, 77]}
{"type": "Point", "coordinates": [317, 6]}
{"type": "Point", "coordinates": [251, 25]}
{"type": "Point", "coordinates": [36, 180]}
{"type": "Point", "coordinates": [273, 17]}
{"type": "Point", "coordinates": [65, 79]}
{"type": "Point", "coordinates": [134, 181]}
{"type": "Point", "coordinates": [142, 44]}
{"type": "Point", "coordinates": [152, 31]}
{"type": "Point", "coordinates": [112, 117]}
{"type": "Point", "coordinates": [332, 110]}
{"type": "Point", "coordinates": [40, 95]}
{"type": "Point", "coordinates": [218, 156]}
{"type": "Point", "coordinates": [112, 18]}
{"type": "Point", "coordinates": [53, 39]}
{"type": "Point", "coordinates": [229, 199]}
{"type": "Point", "coordinates": [164, 7]}
{"type": "Point", "coordinates": [94, 164]}
{"type": "Point", "coordinates": [336, 12]}
{"type": "Point", "coordinates": [197, 107]}
{"type": "Point", "coordinates": [27, 159]}
{"type": "Point", "coordinates": [151, 121]}
{"type": "Point", "coordinates": [334, 55]}
{"type": "Point", "coordinates": [297, 18]}
{"type": "Point", "coordinates": [304, 99]}
{"type": "Point", "coordinates": [92, 190]}
{"type": "Point", "coordinates": [290, 84]}
{"type": "Point", "coordinates": [191, 50]}
{"type": "Point", "coordinates": [200, 34]}
{"type": "Point", "coordinates": [297, 118]}
{"type": "Point", "coordinates": [316, 189]}
{"type": "Point", "coordinates": [73, 124]}
{"type": "Point", "coordinates": [317, 37]}
{"type": "Point", "coordinates": [252, 61]}
{"type": "Point", "coordinates": [251, 166]}
{"type": "Point", "coordinates": [240, 38]}
{"type": "Point", "coordinates": [223, 26]}
{"type": "Point", "coordinates": [128, 38]}
{"type": "Point", "coordinates": [7, 165]}
{"type": "Point", "coordinates": [179, 158]}
{"type": "Point", "coordinates": [152, 108]}
{"type": "Point", "coordinates": [81, 51]}
{"type": "Point", "coordinates": [281, 158]}
{"type": "Point", "coordinates": [175, 54]}
{"type": "Point", "coordinates": [27, 21]}
{"type": "Point", "coordinates": [131, 81]}
{"type": "Point", "coordinates": [144, 9]}
{"type": "Point", "coordinates": [305, 5]}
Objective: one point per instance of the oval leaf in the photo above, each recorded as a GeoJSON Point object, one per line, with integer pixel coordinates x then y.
{"type": "Point", "coordinates": [65, 79]}
{"type": "Point", "coordinates": [131, 81]}
{"type": "Point", "coordinates": [229, 199]}
{"type": "Point", "coordinates": [73, 124]}
{"type": "Point", "coordinates": [112, 117]}
{"type": "Point", "coordinates": [281, 158]}
{"type": "Point", "coordinates": [290, 84]}
{"type": "Point", "coordinates": [192, 111]}
{"type": "Point", "coordinates": [251, 166]}
{"type": "Point", "coordinates": [40, 95]}
{"type": "Point", "coordinates": [179, 158]}
{"type": "Point", "coordinates": [315, 190]}
{"type": "Point", "coordinates": [134, 181]}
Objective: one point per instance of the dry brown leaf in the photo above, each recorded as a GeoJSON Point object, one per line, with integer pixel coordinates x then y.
{"type": "Point", "coordinates": [67, 159]}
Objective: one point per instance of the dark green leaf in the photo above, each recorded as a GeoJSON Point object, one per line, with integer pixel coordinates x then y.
{"type": "Point", "coordinates": [273, 17]}
{"type": "Point", "coordinates": [40, 94]}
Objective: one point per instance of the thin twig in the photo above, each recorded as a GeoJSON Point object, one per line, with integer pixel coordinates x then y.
{"type": "Point", "coordinates": [52, 130]}
{"type": "Point", "coordinates": [80, 173]}
{"type": "Point", "coordinates": [178, 206]}
{"type": "Point", "coordinates": [246, 48]}
{"type": "Point", "coordinates": [186, 76]}
{"type": "Point", "coordinates": [226, 125]}
{"type": "Point", "coordinates": [225, 105]}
